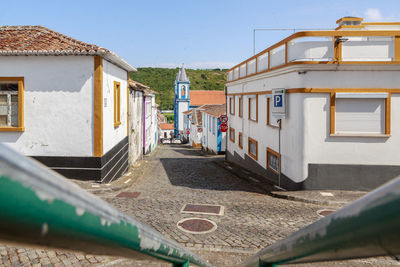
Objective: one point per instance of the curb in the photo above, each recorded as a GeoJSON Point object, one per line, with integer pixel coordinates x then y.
{"type": "Point", "coordinates": [266, 189]}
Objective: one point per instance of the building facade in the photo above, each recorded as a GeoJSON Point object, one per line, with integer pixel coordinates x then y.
{"type": "Point", "coordinates": [136, 120]}
{"type": "Point", "coordinates": [213, 139]}
{"type": "Point", "coordinates": [342, 123]}
{"type": "Point", "coordinates": [64, 102]}
{"type": "Point", "coordinates": [182, 100]}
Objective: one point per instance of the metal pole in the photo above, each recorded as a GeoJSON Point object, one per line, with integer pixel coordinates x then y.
{"type": "Point", "coordinates": [279, 152]}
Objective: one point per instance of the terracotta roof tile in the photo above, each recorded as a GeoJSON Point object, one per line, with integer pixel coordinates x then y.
{"type": "Point", "coordinates": [216, 111]}
{"type": "Point", "coordinates": [202, 97]}
{"type": "Point", "coordinates": [166, 126]}
{"type": "Point", "coordinates": [39, 40]}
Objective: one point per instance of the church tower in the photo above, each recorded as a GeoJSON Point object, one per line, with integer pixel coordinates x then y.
{"type": "Point", "coordinates": [182, 100]}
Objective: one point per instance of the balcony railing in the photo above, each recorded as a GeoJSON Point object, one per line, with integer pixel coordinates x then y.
{"type": "Point", "coordinates": [346, 47]}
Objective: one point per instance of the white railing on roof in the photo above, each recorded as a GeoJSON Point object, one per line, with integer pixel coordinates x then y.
{"type": "Point", "coordinates": [320, 48]}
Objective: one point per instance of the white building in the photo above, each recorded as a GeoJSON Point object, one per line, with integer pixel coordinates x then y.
{"type": "Point", "coordinates": [342, 125]}
{"type": "Point", "coordinates": [213, 140]}
{"type": "Point", "coordinates": [150, 122]}
{"type": "Point", "coordinates": [136, 120]}
{"type": "Point", "coordinates": [64, 102]}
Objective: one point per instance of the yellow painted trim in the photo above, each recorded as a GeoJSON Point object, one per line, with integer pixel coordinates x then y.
{"type": "Point", "coordinates": [388, 113]}
{"type": "Point", "coordinates": [397, 48]}
{"type": "Point", "coordinates": [117, 104]}
{"type": "Point", "coordinates": [127, 104]}
{"type": "Point", "coordinates": [98, 107]}
{"type": "Point", "coordinates": [12, 129]}
{"type": "Point", "coordinates": [240, 140]}
{"type": "Point", "coordinates": [381, 23]}
{"type": "Point", "coordinates": [349, 19]}
{"type": "Point", "coordinates": [21, 104]}
{"type": "Point", "coordinates": [326, 90]}
{"type": "Point", "coordinates": [332, 113]}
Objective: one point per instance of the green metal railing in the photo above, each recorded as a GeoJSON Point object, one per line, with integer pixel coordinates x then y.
{"type": "Point", "coordinates": [40, 207]}
{"type": "Point", "coordinates": [368, 227]}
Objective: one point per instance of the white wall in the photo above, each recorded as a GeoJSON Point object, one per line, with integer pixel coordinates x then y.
{"type": "Point", "coordinates": [210, 138]}
{"type": "Point", "coordinates": [183, 106]}
{"type": "Point", "coordinates": [58, 105]}
{"type": "Point", "coordinates": [113, 135]}
{"type": "Point", "coordinates": [305, 135]}
{"type": "Point", "coordinates": [136, 124]}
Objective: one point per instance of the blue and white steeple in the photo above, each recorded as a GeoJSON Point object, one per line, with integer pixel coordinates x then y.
{"type": "Point", "coordinates": [182, 100]}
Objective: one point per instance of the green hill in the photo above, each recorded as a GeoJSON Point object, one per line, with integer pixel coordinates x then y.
{"type": "Point", "coordinates": [162, 81]}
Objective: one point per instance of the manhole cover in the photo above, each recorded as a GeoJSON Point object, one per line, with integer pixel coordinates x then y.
{"type": "Point", "coordinates": [325, 212]}
{"type": "Point", "coordinates": [129, 194]}
{"type": "Point", "coordinates": [203, 209]}
{"type": "Point", "coordinates": [197, 225]}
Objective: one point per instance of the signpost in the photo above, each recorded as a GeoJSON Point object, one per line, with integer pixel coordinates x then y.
{"type": "Point", "coordinates": [223, 127]}
{"type": "Point", "coordinates": [279, 113]}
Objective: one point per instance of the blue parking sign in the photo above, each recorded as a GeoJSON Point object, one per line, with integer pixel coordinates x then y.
{"type": "Point", "coordinates": [278, 101]}
{"type": "Point", "coordinates": [278, 107]}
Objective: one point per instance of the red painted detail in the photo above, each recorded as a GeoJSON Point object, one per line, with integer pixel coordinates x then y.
{"type": "Point", "coordinates": [200, 130]}
{"type": "Point", "coordinates": [223, 118]}
{"type": "Point", "coordinates": [188, 132]}
{"type": "Point", "coordinates": [223, 127]}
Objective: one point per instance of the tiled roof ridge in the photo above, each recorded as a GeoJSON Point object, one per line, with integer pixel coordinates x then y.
{"type": "Point", "coordinates": [44, 30]}
{"type": "Point", "coordinates": [65, 45]}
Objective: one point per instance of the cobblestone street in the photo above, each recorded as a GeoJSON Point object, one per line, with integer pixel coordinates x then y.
{"type": "Point", "coordinates": [176, 175]}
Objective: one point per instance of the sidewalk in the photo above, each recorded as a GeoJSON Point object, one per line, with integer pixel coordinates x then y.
{"type": "Point", "coordinates": [331, 198]}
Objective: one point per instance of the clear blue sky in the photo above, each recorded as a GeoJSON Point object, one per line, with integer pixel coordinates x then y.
{"type": "Point", "coordinates": [202, 33]}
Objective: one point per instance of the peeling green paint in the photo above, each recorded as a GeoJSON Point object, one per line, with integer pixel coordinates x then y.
{"type": "Point", "coordinates": [35, 218]}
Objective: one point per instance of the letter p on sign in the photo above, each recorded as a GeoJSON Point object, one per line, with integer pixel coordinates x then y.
{"type": "Point", "coordinates": [277, 101]}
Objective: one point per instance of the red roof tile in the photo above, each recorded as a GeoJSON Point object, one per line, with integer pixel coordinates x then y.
{"type": "Point", "coordinates": [166, 126]}
{"type": "Point", "coordinates": [216, 111]}
{"type": "Point", "coordinates": [203, 97]}
{"type": "Point", "coordinates": [38, 41]}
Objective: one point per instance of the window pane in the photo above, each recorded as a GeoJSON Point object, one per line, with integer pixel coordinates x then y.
{"type": "Point", "coordinates": [9, 104]}
{"type": "Point", "coordinates": [252, 103]}
{"type": "Point", "coordinates": [273, 162]}
{"type": "Point", "coordinates": [253, 148]}
{"type": "Point", "coordinates": [360, 115]}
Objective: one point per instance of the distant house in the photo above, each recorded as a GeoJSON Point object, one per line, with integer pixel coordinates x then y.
{"type": "Point", "coordinates": [213, 139]}
{"type": "Point", "coordinates": [150, 122]}
{"type": "Point", "coordinates": [64, 102]}
{"type": "Point", "coordinates": [136, 96]}
{"type": "Point", "coordinates": [192, 126]}
{"type": "Point", "coordinates": [166, 130]}
{"type": "Point", "coordinates": [341, 126]}
{"type": "Point", "coordinates": [186, 99]}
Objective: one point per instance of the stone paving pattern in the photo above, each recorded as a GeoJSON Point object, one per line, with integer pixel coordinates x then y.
{"type": "Point", "coordinates": [176, 175]}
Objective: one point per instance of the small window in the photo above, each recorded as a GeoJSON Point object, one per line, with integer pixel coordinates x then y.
{"type": "Point", "coordinates": [271, 120]}
{"type": "Point", "coordinates": [273, 160]}
{"type": "Point", "coordinates": [117, 104]}
{"type": "Point", "coordinates": [232, 105]}
{"type": "Point", "coordinates": [253, 108]}
{"type": "Point", "coordinates": [241, 106]}
{"type": "Point", "coordinates": [253, 148]}
{"type": "Point", "coordinates": [232, 135]}
{"type": "Point", "coordinates": [240, 140]}
{"type": "Point", "coordinates": [11, 104]}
